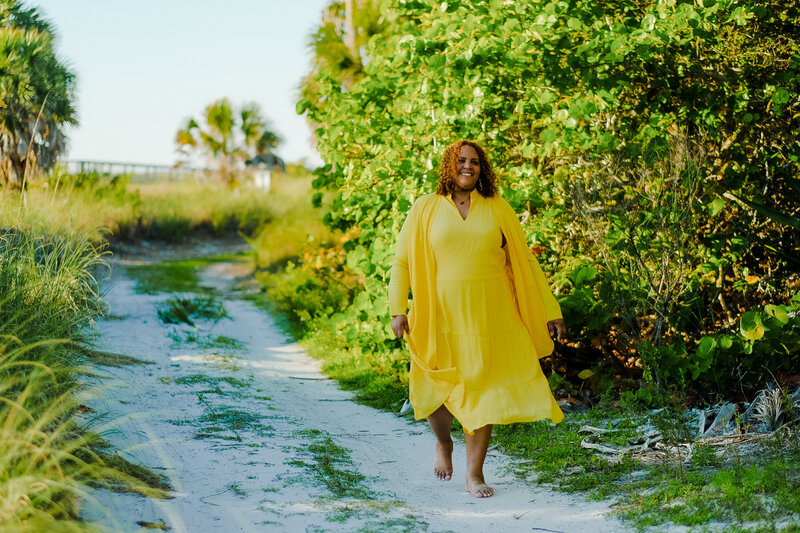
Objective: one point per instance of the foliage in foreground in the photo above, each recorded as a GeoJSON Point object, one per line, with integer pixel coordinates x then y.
{"type": "Point", "coordinates": [50, 454]}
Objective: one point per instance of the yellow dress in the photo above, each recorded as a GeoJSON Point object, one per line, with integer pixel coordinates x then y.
{"type": "Point", "coordinates": [479, 359]}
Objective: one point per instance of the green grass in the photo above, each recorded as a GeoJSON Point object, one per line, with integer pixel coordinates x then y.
{"type": "Point", "coordinates": [102, 358]}
{"type": "Point", "coordinates": [220, 341]}
{"type": "Point", "coordinates": [187, 310]}
{"type": "Point", "coordinates": [207, 342]}
{"type": "Point", "coordinates": [760, 490]}
{"type": "Point", "coordinates": [554, 456]}
{"type": "Point", "coordinates": [176, 276]}
{"type": "Point", "coordinates": [223, 422]}
{"type": "Point", "coordinates": [755, 489]}
{"type": "Point", "coordinates": [214, 381]}
{"type": "Point", "coordinates": [330, 466]}
{"type": "Point", "coordinates": [113, 208]}
{"type": "Point", "coordinates": [160, 525]}
{"type": "Point", "coordinates": [349, 495]}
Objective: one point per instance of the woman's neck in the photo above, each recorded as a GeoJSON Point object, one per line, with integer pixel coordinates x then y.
{"type": "Point", "coordinates": [461, 196]}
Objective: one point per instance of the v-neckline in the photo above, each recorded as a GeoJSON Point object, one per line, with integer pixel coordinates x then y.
{"type": "Point", "coordinates": [469, 209]}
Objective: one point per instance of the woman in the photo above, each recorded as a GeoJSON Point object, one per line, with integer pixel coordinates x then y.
{"type": "Point", "coordinates": [482, 313]}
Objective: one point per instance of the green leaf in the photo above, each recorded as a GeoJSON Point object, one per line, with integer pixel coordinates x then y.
{"type": "Point", "coordinates": [644, 396]}
{"type": "Point", "coordinates": [362, 302]}
{"type": "Point", "coordinates": [356, 257]}
{"type": "Point", "coordinates": [740, 16]}
{"type": "Point", "coordinates": [778, 313]}
{"type": "Point", "coordinates": [751, 327]}
{"type": "Point", "coordinates": [780, 96]}
{"type": "Point", "coordinates": [583, 274]}
{"type": "Point", "coordinates": [619, 45]}
{"type": "Point", "coordinates": [585, 374]}
{"type": "Point", "coordinates": [549, 135]}
{"type": "Point", "coordinates": [545, 97]}
{"type": "Point", "coordinates": [302, 106]}
{"type": "Point", "coordinates": [715, 206]}
{"type": "Point", "coordinates": [649, 22]}
{"type": "Point", "coordinates": [725, 342]}
{"type": "Point", "coordinates": [706, 346]}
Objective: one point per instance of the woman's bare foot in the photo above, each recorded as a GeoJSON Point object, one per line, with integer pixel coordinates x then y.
{"type": "Point", "coordinates": [443, 464]}
{"type": "Point", "coordinates": [477, 486]}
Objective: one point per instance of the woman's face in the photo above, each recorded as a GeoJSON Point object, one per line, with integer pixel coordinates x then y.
{"type": "Point", "coordinates": [468, 168]}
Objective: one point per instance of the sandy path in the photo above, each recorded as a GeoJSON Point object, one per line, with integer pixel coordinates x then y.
{"type": "Point", "coordinates": [225, 426]}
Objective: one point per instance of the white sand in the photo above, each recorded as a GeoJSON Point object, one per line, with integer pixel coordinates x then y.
{"type": "Point", "coordinates": [230, 485]}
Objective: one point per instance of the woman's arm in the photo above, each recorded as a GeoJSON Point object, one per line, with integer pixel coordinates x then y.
{"type": "Point", "coordinates": [399, 282]}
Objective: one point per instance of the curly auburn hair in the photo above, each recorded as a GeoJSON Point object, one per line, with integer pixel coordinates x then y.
{"type": "Point", "coordinates": [487, 181]}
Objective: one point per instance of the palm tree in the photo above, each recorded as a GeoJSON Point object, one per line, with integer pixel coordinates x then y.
{"type": "Point", "coordinates": [338, 43]}
{"type": "Point", "coordinates": [227, 137]}
{"type": "Point", "coordinates": [36, 95]}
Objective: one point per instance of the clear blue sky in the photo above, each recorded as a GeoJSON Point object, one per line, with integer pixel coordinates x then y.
{"type": "Point", "coordinates": [144, 67]}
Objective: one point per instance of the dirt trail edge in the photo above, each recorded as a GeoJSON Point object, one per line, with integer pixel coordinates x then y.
{"type": "Point", "coordinates": [254, 438]}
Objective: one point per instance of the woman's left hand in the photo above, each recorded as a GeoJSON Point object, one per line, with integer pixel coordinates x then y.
{"type": "Point", "coordinates": [557, 329]}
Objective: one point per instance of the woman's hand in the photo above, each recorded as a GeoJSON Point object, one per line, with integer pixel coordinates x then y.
{"type": "Point", "coordinates": [557, 329]}
{"type": "Point", "coordinates": [399, 325]}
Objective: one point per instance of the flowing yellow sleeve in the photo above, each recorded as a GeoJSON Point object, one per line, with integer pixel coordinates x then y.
{"type": "Point", "coordinates": [552, 310]}
{"type": "Point", "coordinates": [399, 280]}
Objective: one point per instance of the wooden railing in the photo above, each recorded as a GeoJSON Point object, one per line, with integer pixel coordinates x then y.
{"type": "Point", "coordinates": [138, 171]}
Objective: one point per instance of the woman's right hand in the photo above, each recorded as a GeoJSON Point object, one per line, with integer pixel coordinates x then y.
{"type": "Point", "coordinates": [399, 325]}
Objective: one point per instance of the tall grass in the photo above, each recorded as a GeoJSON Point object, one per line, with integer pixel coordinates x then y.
{"type": "Point", "coordinates": [112, 208]}
{"type": "Point", "coordinates": [48, 455]}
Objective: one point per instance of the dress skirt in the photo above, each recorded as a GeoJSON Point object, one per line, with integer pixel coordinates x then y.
{"type": "Point", "coordinates": [479, 332]}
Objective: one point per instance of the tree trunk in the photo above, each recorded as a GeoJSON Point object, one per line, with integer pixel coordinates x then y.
{"type": "Point", "coordinates": [350, 31]}
{"type": "Point", "coordinates": [12, 169]}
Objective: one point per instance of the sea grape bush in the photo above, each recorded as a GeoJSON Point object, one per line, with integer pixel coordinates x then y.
{"type": "Point", "coordinates": [565, 95]}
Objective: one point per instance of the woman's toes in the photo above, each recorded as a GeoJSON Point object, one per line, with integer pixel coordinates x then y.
{"type": "Point", "coordinates": [443, 464]}
{"type": "Point", "coordinates": [479, 489]}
